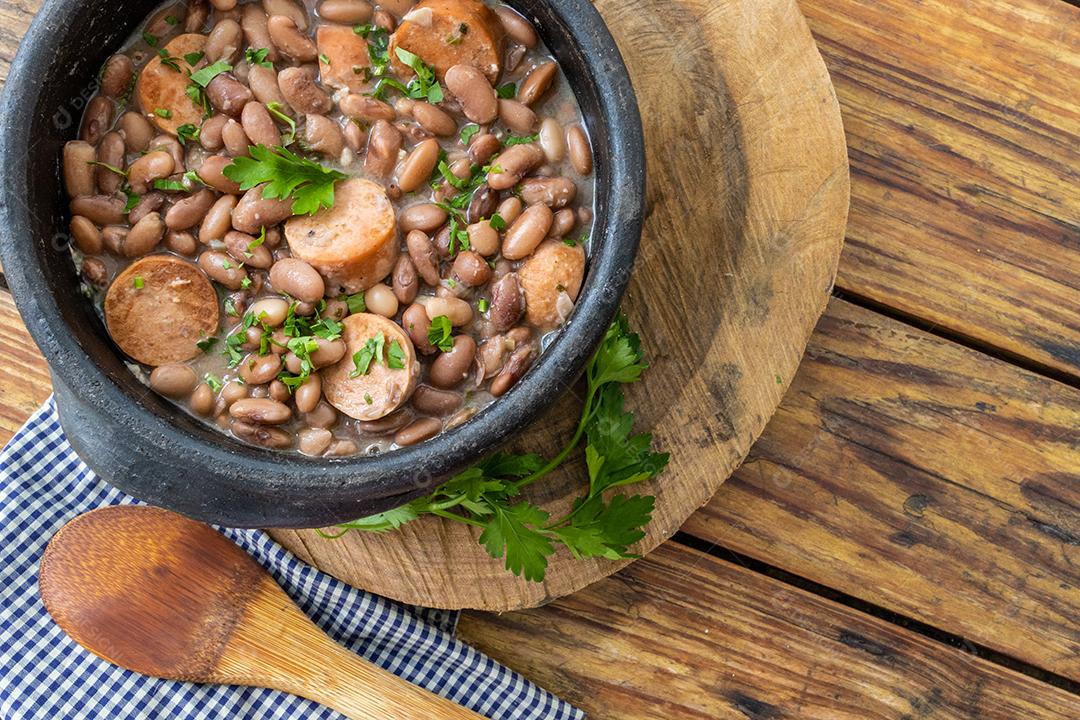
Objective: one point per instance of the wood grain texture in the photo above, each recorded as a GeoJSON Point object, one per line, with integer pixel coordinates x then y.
{"type": "Point", "coordinates": [963, 127]}
{"type": "Point", "coordinates": [26, 382]}
{"type": "Point", "coordinates": [742, 237]}
{"type": "Point", "coordinates": [922, 477]}
{"type": "Point", "coordinates": [684, 635]}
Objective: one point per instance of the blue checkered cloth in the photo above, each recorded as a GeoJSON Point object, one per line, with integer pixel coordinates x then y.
{"type": "Point", "coordinates": [45, 675]}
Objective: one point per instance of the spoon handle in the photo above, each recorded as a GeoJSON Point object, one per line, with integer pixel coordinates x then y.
{"type": "Point", "coordinates": [362, 691]}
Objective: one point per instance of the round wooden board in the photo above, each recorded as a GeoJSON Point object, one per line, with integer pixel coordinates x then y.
{"type": "Point", "coordinates": [748, 198]}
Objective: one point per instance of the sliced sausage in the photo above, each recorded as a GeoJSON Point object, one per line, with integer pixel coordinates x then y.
{"type": "Point", "coordinates": [352, 244]}
{"type": "Point", "coordinates": [383, 389]}
{"type": "Point", "coordinates": [551, 280]}
{"type": "Point", "coordinates": [348, 57]}
{"type": "Point", "coordinates": [160, 318]}
{"type": "Point", "coordinates": [161, 87]}
{"type": "Point", "coordinates": [425, 34]}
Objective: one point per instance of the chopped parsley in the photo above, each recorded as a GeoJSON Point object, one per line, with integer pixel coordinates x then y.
{"type": "Point", "coordinates": [483, 305]}
{"type": "Point", "coordinates": [214, 382]}
{"type": "Point", "coordinates": [187, 133]}
{"type": "Point", "coordinates": [497, 222]}
{"type": "Point", "coordinates": [309, 184]}
{"type": "Point", "coordinates": [356, 303]}
{"type": "Point", "coordinates": [168, 61]}
{"type": "Point", "coordinates": [203, 77]}
{"type": "Point", "coordinates": [163, 113]}
{"type": "Point", "coordinates": [324, 58]}
{"type": "Point", "coordinates": [506, 91]}
{"type": "Point", "coordinates": [372, 352]}
{"type": "Point", "coordinates": [276, 110]}
{"type": "Point", "coordinates": [193, 58]}
{"type": "Point", "coordinates": [257, 56]}
{"type": "Point", "coordinates": [138, 282]}
{"type": "Point", "coordinates": [395, 356]}
{"type": "Point", "coordinates": [378, 42]}
{"type": "Point", "coordinates": [468, 132]}
{"type": "Point", "coordinates": [151, 40]}
{"type": "Point", "coordinates": [512, 139]}
{"type": "Point", "coordinates": [206, 343]}
{"type": "Point", "coordinates": [423, 87]}
{"type": "Point", "coordinates": [440, 334]}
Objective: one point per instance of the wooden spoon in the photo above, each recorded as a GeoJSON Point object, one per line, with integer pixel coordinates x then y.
{"type": "Point", "coordinates": [166, 596]}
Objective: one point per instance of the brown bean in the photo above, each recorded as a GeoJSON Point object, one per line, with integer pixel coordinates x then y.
{"type": "Point", "coordinates": [169, 144]}
{"type": "Point", "coordinates": [148, 203]}
{"type": "Point", "coordinates": [298, 86]}
{"type": "Point", "coordinates": [253, 21]}
{"type": "Point", "coordinates": [537, 83]}
{"type": "Point", "coordinates": [483, 238]}
{"type": "Point", "coordinates": [117, 76]}
{"type": "Point", "coordinates": [224, 42]}
{"type": "Point", "coordinates": [458, 311]}
{"type": "Point", "coordinates": [235, 139]}
{"type": "Point", "coordinates": [290, 9]}
{"type": "Point", "coordinates": [314, 441]}
{"type": "Point", "coordinates": [552, 140]}
{"type": "Point", "coordinates": [233, 391]}
{"type": "Point", "coordinates": [513, 164]}
{"type": "Point", "coordinates": [517, 117]}
{"type": "Point", "coordinates": [518, 28]}
{"type": "Point", "coordinates": [202, 400]}
{"type": "Point", "coordinates": [110, 152]}
{"type": "Point", "coordinates": [263, 82]}
{"type": "Point", "coordinates": [366, 108]}
{"type": "Point", "coordinates": [556, 192]}
{"type": "Point", "coordinates": [483, 147]}
{"type": "Point", "coordinates": [86, 235]}
{"type": "Point", "coordinates": [212, 172]}
{"type": "Point", "coordinates": [528, 231]}
{"type": "Point", "coordinates": [297, 278]}
{"type": "Point", "coordinates": [197, 13]}
{"type": "Point", "coordinates": [210, 132]}
{"type": "Point", "coordinates": [95, 272]}
{"type": "Point", "coordinates": [137, 131]}
{"type": "Point", "coordinates": [173, 380]}
{"type": "Point", "coordinates": [309, 394]}
{"type": "Point", "coordinates": [473, 91]}
{"type": "Point", "coordinates": [422, 253]}
{"type": "Point", "coordinates": [418, 166]}
{"type": "Point", "coordinates": [450, 368]}
{"type": "Point", "coordinates": [434, 119]}
{"type": "Point", "coordinates": [346, 12]}
{"type": "Point", "coordinates": [416, 323]}
{"type": "Point", "coordinates": [381, 300]}
{"type": "Point", "coordinates": [255, 212]}
{"type": "Point", "coordinates": [227, 94]}
{"type": "Point", "coordinates": [323, 135]}
{"type": "Point", "coordinates": [515, 368]}
{"type": "Point", "coordinates": [271, 310]}
{"type": "Point", "coordinates": [99, 209]}
{"type": "Point", "coordinates": [563, 223]}
{"type": "Point", "coordinates": [218, 219]}
{"type": "Point", "coordinates": [279, 391]}
{"type": "Point", "coordinates": [245, 249]}
{"type": "Point", "coordinates": [328, 352]}
{"type": "Point", "coordinates": [223, 6]}
{"type": "Point", "coordinates": [96, 120]}
{"type": "Point", "coordinates": [190, 211]}
{"type": "Point", "coordinates": [471, 269]}
{"type": "Point", "coordinates": [269, 437]}
{"type": "Point", "coordinates": [260, 369]}
{"type": "Point", "coordinates": [78, 172]}
{"type": "Point", "coordinates": [428, 400]}
{"type": "Point", "coordinates": [154, 165]}
{"type": "Point", "coordinates": [492, 355]}
{"type": "Point", "coordinates": [442, 242]}
{"type": "Point", "coordinates": [428, 217]}
{"type": "Point", "coordinates": [181, 243]}
{"type": "Point", "coordinates": [577, 145]}
{"type": "Point", "coordinates": [384, 144]}
{"type": "Point", "coordinates": [292, 43]}
{"type": "Point", "coordinates": [262, 411]}
{"type": "Point", "coordinates": [354, 136]}
{"type": "Point", "coordinates": [507, 303]}
{"type": "Point", "coordinates": [406, 283]}
{"type": "Point", "coordinates": [418, 431]}
{"type": "Point", "coordinates": [144, 236]}
{"type": "Point", "coordinates": [222, 268]}
{"type": "Point", "coordinates": [259, 126]}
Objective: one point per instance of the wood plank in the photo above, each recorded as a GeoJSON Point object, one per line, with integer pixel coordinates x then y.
{"type": "Point", "coordinates": [26, 382]}
{"type": "Point", "coordinates": [923, 477]}
{"type": "Point", "coordinates": [684, 635]}
{"type": "Point", "coordinates": [963, 127]}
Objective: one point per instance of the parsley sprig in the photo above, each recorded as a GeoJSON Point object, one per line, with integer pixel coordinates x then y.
{"type": "Point", "coordinates": [598, 524]}
{"type": "Point", "coordinates": [309, 184]}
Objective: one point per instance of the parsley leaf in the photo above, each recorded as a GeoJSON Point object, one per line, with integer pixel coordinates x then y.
{"type": "Point", "coordinates": [513, 531]}
{"type": "Point", "coordinates": [203, 77]}
{"type": "Point", "coordinates": [257, 56]}
{"type": "Point", "coordinates": [512, 139]}
{"type": "Point", "coordinates": [309, 184]}
{"type": "Point", "coordinates": [440, 334]}
{"type": "Point", "coordinates": [187, 132]}
{"type": "Point", "coordinates": [506, 91]}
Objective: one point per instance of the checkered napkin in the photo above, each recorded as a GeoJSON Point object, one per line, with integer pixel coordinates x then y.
{"type": "Point", "coordinates": [45, 675]}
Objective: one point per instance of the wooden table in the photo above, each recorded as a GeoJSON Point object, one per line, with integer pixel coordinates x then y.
{"type": "Point", "coordinates": [904, 540]}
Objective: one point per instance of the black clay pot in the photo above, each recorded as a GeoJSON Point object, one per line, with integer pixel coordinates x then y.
{"type": "Point", "coordinates": [142, 444]}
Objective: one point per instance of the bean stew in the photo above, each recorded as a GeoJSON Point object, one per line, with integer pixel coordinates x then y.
{"type": "Point", "coordinates": [334, 227]}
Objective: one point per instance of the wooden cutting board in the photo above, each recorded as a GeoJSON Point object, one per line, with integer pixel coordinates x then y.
{"type": "Point", "coordinates": [748, 199]}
